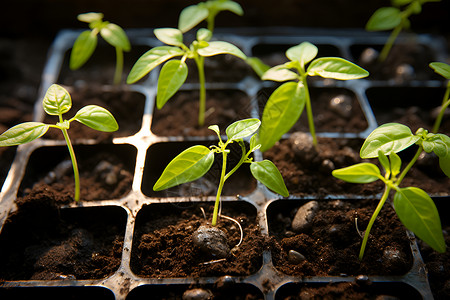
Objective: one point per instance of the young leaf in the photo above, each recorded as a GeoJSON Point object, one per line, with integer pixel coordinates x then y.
{"type": "Point", "coordinates": [97, 118]}
{"type": "Point", "coordinates": [390, 137]}
{"type": "Point", "coordinates": [241, 129]}
{"type": "Point", "coordinates": [83, 48]}
{"type": "Point", "coordinates": [191, 16]}
{"type": "Point", "coordinates": [187, 166]}
{"type": "Point", "coordinates": [115, 36]}
{"type": "Point", "coordinates": [417, 211]}
{"type": "Point", "coordinates": [444, 163]}
{"type": "Point", "coordinates": [281, 112]}
{"type": "Point", "coordinates": [150, 60]}
{"type": "Point", "coordinates": [90, 17]}
{"type": "Point", "coordinates": [232, 6]}
{"type": "Point", "coordinates": [396, 163]}
{"type": "Point", "coordinates": [384, 18]}
{"type": "Point", "coordinates": [442, 69]}
{"type": "Point", "coordinates": [304, 53]}
{"type": "Point", "coordinates": [279, 73]}
{"type": "Point", "coordinates": [57, 100]}
{"type": "Point", "coordinates": [219, 47]}
{"type": "Point", "coordinates": [23, 133]}
{"type": "Point", "coordinates": [254, 143]}
{"type": "Point", "coordinates": [267, 173]}
{"type": "Point", "coordinates": [359, 173]}
{"type": "Point", "coordinates": [204, 34]}
{"type": "Point", "coordinates": [169, 36]}
{"type": "Point", "coordinates": [215, 128]}
{"type": "Point", "coordinates": [172, 76]}
{"type": "Point", "coordinates": [384, 161]}
{"type": "Point", "coordinates": [336, 68]}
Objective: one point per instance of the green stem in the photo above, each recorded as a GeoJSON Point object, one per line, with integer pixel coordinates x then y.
{"type": "Point", "coordinates": [199, 60]}
{"type": "Point", "coordinates": [219, 190]}
{"type": "Point", "coordinates": [312, 129]}
{"type": "Point", "coordinates": [445, 104]}
{"type": "Point", "coordinates": [74, 164]}
{"type": "Point", "coordinates": [372, 220]}
{"type": "Point", "coordinates": [390, 42]}
{"type": "Point", "coordinates": [409, 166]}
{"type": "Point", "coordinates": [119, 66]}
{"type": "Point", "coordinates": [210, 21]}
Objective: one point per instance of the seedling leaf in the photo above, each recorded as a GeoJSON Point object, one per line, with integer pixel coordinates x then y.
{"type": "Point", "coordinates": [390, 137]}
{"type": "Point", "coordinates": [82, 49]}
{"type": "Point", "coordinates": [303, 53]}
{"type": "Point", "coordinates": [115, 36]}
{"type": "Point", "coordinates": [267, 173]}
{"type": "Point", "coordinates": [442, 69]}
{"type": "Point", "coordinates": [444, 163]}
{"type": "Point", "coordinates": [23, 133]}
{"type": "Point", "coordinates": [97, 118]}
{"type": "Point", "coordinates": [396, 163]}
{"type": "Point", "coordinates": [220, 47]}
{"type": "Point", "coordinates": [384, 18]}
{"type": "Point", "coordinates": [56, 100]}
{"type": "Point", "coordinates": [417, 211]}
{"type": "Point", "coordinates": [187, 166]}
{"type": "Point", "coordinates": [232, 6]}
{"type": "Point", "coordinates": [192, 16]}
{"type": "Point", "coordinates": [172, 76]}
{"type": "Point", "coordinates": [90, 17]}
{"type": "Point", "coordinates": [336, 68]}
{"type": "Point", "coordinates": [279, 73]}
{"type": "Point", "coordinates": [169, 36]}
{"type": "Point", "coordinates": [241, 129]}
{"type": "Point", "coordinates": [359, 173]}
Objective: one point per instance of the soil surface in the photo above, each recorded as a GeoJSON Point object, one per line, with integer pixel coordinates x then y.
{"type": "Point", "coordinates": [163, 245]}
{"type": "Point", "coordinates": [330, 244]}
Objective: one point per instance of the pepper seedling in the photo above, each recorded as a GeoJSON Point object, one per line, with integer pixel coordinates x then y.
{"type": "Point", "coordinates": [174, 72]}
{"type": "Point", "coordinates": [286, 103]}
{"type": "Point", "coordinates": [395, 18]}
{"type": "Point", "coordinates": [56, 102]}
{"type": "Point", "coordinates": [86, 42]}
{"type": "Point", "coordinates": [194, 162]}
{"type": "Point", "coordinates": [442, 69]}
{"type": "Point", "coordinates": [414, 207]}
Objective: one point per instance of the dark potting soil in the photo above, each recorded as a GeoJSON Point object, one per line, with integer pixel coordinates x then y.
{"type": "Point", "coordinates": [308, 172]}
{"type": "Point", "coordinates": [126, 106]}
{"type": "Point", "coordinates": [42, 242]}
{"type": "Point", "coordinates": [163, 245]}
{"type": "Point", "coordinates": [179, 116]}
{"type": "Point", "coordinates": [331, 243]}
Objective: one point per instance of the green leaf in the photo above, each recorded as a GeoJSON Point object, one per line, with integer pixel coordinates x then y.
{"type": "Point", "coordinates": [359, 173]}
{"type": "Point", "coordinates": [90, 17]}
{"type": "Point", "coordinates": [215, 128]}
{"type": "Point", "coordinates": [257, 65]}
{"type": "Point", "coordinates": [384, 161]}
{"type": "Point", "coordinates": [444, 163]}
{"type": "Point", "coordinates": [232, 6]}
{"type": "Point", "coordinates": [396, 163]}
{"type": "Point", "coordinates": [219, 47]}
{"type": "Point", "coordinates": [172, 76]}
{"type": "Point", "coordinates": [57, 100]}
{"type": "Point", "coordinates": [97, 118]}
{"type": "Point", "coordinates": [23, 133]}
{"type": "Point", "coordinates": [390, 137]}
{"type": "Point", "coordinates": [417, 211]}
{"type": "Point", "coordinates": [303, 53]}
{"type": "Point", "coordinates": [242, 128]}
{"type": "Point", "coordinates": [82, 49]}
{"type": "Point", "coordinates": [267, 173]}
{"type": "Point", "coordinates": [384, 18]}
{"type": "Point", "coordinates": [187, 166]}
{"type": "Point", "coordinates": [204, 34]}
{"type": "Point", "coordinates": [279, 73]}
{"type": "Point", "coordinates": [150, 60]}
{"type": "Point", "coordinates": [191, 16]}
{"type": "Point", "coordinates": [281, 112]}
{"type": "Point", "coordinates": [336, 68]}
{"type": "Point", "coordinates": [254, 143]}
{"type": "Point", "coordinates": [441, 68]}
{"type": "Point", "coordinates": [169, 36]}
{"type": "Point", "coordinates": [115, 36]}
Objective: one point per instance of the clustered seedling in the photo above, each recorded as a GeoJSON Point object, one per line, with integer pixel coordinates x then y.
{"type": "Point", "coordinates": [86, 42]}
{"type": "Point", "coordinates": [56, 102]}
{"type": "Point", "coordinates": [285, 105]}
{"type": "Point", "coordinates": [442, 69]}
{"type": "Point", "coordinates": [174, 72]}
{"type": "Point", "coordinates": [415, 209]}
{"type": "Point", "coordinates": [395, 18]}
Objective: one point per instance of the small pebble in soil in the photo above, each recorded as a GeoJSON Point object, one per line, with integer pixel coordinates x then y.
{"type": "Point", "coordinates": [404, 72]}
{"type": "Point", "coordinates": [305, 214]}
{"type": "Point", "coordinates": [58, 172]}
{"type": "Point", "coordinates": [342, 105]}
{"type": "Point", "coordinates": [211, 240]}
{"type": "Point", "coordinates": [197, 294]}
{"type": "Point", "coordinates": [368, 56]}
{"type": "Point", "coordinates": [107, 171]}
{"type": "Point", "coordinates": [225, 282]}
{"type": "Point", "coordinates": [302, 146]}
{"type": "Point", "coordinates": [392, 255]}
{"type": "Point", "coordinates": [295, 257]}
{"type": "Point", "coordinates": [362, 279]}
{"type": "Point", "coordinates": [327, 166]}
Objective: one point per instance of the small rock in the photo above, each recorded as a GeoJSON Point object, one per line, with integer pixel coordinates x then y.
{"type": "Point", "coordinates": [295, 257]}
{"type": "Point", "coordinates": [342, 105]}
{"type": "Point", "coordinates": [302, 146]}
{"type": "Point", "coordinates": [392, 255]}
{"type": "Point", "coordinates": [304, 216]}
{"type": "Point", "coordinates": [197, 294]}
{"type": "Point", "coordinates": [404, 72]}
{"type": "Point", "coordinates": [362, 279]}
{"type": "Point", "coordinates": [211, 240]}
{"type": "Point", "coordinates": [327, 166]}
{"type": "Point", "coordinates": [225, 282]}
{"type": "Point", "coordinates": [368, 56]}
{"type": "Point", "coordinates": [58, 172]}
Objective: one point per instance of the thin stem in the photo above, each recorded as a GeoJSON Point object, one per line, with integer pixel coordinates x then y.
{"type": "Point", "coordinates": [219, 190]}
{"type": "Point", "coordinates": [241, 161]}
{"type": "Point", "coordinates": [372, 220]}
{"type": "Point", "coordinates": [409, 166]}
{"type": "Point", "coordinates": [199, 60]}
{"type": "Point", "coordinates": [312, 129]}
{"type": "Point", "coordinates": [119, 66]}
{"type": "Point", "coordinates": [390, 42]}
{"type": "Point", "coordinates": [210, 21]}
{"type": "Point", "coordinates": [76, 174]}
{"type": "Point", "coordinates": [445, 104]}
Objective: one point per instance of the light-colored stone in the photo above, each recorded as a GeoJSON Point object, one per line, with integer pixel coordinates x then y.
{"type": "Point", "coordinates": [304, 216]}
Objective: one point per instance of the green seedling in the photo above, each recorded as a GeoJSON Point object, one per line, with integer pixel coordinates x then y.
{"type": "Point", "coordinates": [86, 42]}
{"type": "Point", "coordinates": [194, 162]}
{"type": "Point", "coordinates": [442, 69]}
{"type": "Point", "coordinates": [395, 18]}
{"type": "Point", "coordinates": [414, 207]}
{"type": "Point", "coordinates": [286, 104]}
{"type": "Point", "coordinates": [174, 72]}
{"type": "Point", "coordinates": [56, 102]}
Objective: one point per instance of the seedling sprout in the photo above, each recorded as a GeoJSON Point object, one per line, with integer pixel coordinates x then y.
{"type": "Point", "coordinates": [442, 69]}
